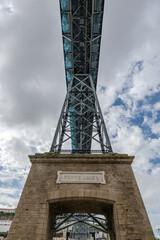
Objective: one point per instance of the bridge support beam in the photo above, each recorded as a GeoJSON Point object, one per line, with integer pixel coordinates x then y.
{"type": "Point", "coordinates": [118, 198]}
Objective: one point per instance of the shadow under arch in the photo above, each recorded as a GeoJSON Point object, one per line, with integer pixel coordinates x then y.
{"type": "Point", "coordinates": [81, 205]}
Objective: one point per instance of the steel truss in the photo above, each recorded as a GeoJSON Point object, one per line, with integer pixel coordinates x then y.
{"type": "Point", "coordinates": [81, 225]}
{"type": "Point", "coordinates": [81, 119]}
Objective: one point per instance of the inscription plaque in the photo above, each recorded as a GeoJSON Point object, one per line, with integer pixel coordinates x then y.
{"type": "Point", "coordinates": [80, 177]}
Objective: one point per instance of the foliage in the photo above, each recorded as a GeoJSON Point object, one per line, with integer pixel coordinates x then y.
{"type": "Point", "coordinates": [6, 213]}
{"type": "Point", "coordinates": [3, 234]}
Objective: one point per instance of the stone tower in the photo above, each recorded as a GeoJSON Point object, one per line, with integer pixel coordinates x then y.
{"type": "Point", "coordinates": [52, 189]}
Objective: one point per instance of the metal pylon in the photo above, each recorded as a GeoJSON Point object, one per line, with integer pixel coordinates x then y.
{"type": "Point", "coordinates": [81, 119]}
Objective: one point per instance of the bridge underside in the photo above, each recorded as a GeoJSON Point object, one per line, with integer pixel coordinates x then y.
{"type": "Point", "coordinates": [81, 32]}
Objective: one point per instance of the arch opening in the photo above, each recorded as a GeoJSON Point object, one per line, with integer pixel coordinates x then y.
{"type": "Point", "coordinates": [81, 219]}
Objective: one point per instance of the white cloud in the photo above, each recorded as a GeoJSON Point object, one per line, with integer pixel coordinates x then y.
{"type": "Point", "coordinates": [8, 202]}
{"type": "Point", "coordinates": [11, 191]}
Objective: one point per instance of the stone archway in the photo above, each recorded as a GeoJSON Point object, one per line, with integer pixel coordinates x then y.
{"type": "Point", "coordinates": [81, 205]}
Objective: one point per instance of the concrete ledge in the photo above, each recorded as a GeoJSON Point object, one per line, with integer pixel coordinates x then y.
{"type": "Point", "coordinates": [110, 158]}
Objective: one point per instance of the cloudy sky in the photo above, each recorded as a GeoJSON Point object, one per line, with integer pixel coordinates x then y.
{"type": "Point", "coordinates": [32, 89]}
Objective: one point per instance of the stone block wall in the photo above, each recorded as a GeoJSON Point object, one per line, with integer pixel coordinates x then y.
{"type": "Point", "coordinates": [34, 219]}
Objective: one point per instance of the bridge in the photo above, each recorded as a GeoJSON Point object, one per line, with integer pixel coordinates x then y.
{"type": "Point", "coordinates": [81, 120]}
{"type": "Point", "coordinates": [83, 191]}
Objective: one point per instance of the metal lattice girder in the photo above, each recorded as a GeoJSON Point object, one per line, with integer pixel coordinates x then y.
{"type": "Point", "coordinates": [81, 119]}
{"type": "Point", "coordinates": [81, 22]}
{"type": "Point", "coordinates": [79, 221]}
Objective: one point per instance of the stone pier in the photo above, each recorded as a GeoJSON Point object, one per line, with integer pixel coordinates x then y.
{"type": "Point", "coordinates": [114, 194]}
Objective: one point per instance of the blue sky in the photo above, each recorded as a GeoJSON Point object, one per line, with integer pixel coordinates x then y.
{"type": "Point", "coordinates": [32, 89]}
